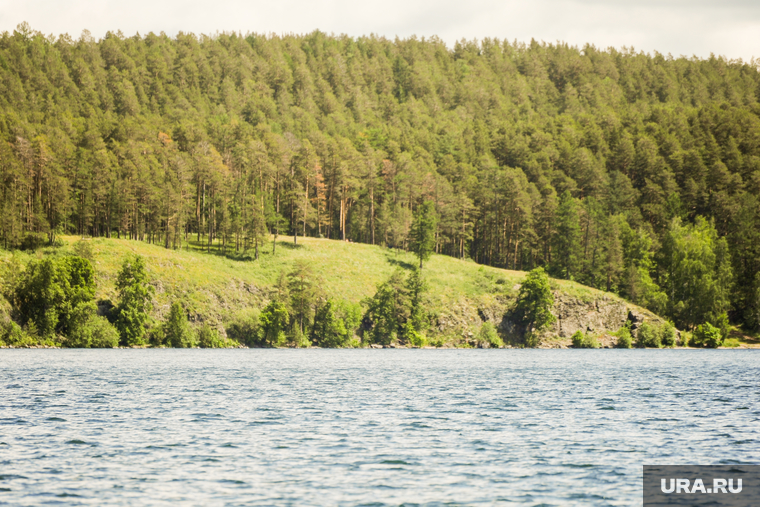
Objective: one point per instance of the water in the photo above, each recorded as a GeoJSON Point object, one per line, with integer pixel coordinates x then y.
{"type": "Point", "coordinates": [365, 427]}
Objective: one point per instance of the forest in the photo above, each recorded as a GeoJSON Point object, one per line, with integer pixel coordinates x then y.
{"type": "Point", "coordinates": [633, 173]}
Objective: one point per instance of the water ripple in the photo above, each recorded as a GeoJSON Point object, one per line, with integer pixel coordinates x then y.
{"type": "Point", "coordinates": [359, 427]}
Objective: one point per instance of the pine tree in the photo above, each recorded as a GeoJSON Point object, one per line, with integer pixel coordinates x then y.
{"type": "Point", "coordinates": [135, 301]}
{"type": "Point", "coordinates": [422, 235]}
{"type": "Point", "coordinates": [566, 242]}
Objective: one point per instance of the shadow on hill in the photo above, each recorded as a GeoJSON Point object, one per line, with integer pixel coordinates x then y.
{"type": "Point", "coordinates": [289, 245]}
{"type": "Point", "coordinates": [218, 251]}
{"type": "Point", "coordinates": [398, 262]}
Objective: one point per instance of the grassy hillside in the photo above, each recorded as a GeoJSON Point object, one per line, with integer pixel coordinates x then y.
{"type": "Point", "coordinates": [215, 287]}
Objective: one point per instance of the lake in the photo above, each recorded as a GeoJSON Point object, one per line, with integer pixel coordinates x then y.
{"type": "Point", "coordinates": [366, 427]}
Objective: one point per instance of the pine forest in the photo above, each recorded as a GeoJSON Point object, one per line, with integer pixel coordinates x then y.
{"type": "Point", "coordinates": [629, 172]}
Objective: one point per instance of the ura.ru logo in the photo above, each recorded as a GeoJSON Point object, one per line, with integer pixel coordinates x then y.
{"type": "Point", "coordinates": [698, 486]}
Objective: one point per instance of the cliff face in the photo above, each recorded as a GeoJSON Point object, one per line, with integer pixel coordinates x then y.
{"type": "Point", "coordinates": [600, 315]}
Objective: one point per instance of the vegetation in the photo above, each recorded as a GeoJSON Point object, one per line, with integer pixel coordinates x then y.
{"type": "Point", "coordinates": [422, 240]}
{"type": "Point", "coordinates": [489, 335]}
{"type": "Point", "coordinates": [134, 301]}
{"type": "Point", "coordinates": [176, 330]}
{"type": "Point", "coordinates": [706, 335]}
{"type": "Point", "coordinates": [626, 172]}
{"type": "Point", "coordinates": [535, 301]}
{"type": "Point", "coordinates": [634, 173]}
{"type": "Point", "coordinates": [648, 337]}
{"type": "Point", "coordinates": [218, 302]}
{"type": "Point", "coordinates": [583, 340]}
{"type": "Point", "coordinates": [624, 338]}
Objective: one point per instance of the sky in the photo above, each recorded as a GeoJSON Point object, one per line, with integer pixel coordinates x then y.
{"type": "Point", "coordinates": [729, 28]}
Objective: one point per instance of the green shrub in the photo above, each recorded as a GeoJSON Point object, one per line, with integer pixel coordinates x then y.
{"type": "Point", "coordinates": [667, 335]}
{"type": "Point", "coordinates": [329, 330]}
{"type": "Point", "coordinates": [177, 331]}
{"type": "Point", "coordinates": [582, 340]}
{"type": "Point", "coordinates": [706, 335]}
{"type": "Point", "coordinates": [351, 313]}
{"type": "Point", "coordinates": [488, 334]}
{"type": "Point", "coordinates": [624, 339]}
{"type": "Point", "coordinates": [273, 321]}
{"type": "Point", "coordinates": [436, 341]}
{"type": "Point", "coordinates": [297, 339]}
{"type": "Point", "coordinates": [721, 322]}
{"type": "Point", "coordinates": [104, 334]}
{"type": "Point", "coordinates": [648, 337]}
{"type": "Point", "coordinates": [50, 291]}
{"type": "Point", "coordinates": [535, 300]}
{"type": "Point", "coordinates": [531, 340]}
{"type": "Point", "coordinates": [245, 328]}
{"type": "Point", "coordinates": [14, 336]}
{"type": "Point", "coordinates": [578, 339]}
{"type": "Point", "coordinates": [208, 338]}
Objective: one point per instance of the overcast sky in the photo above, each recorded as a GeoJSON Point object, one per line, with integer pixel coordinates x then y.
{"type": "Point", "coordinates": [680, 27]}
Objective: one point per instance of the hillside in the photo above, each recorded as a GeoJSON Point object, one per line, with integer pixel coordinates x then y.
{"type": "Point", "coordinates": [214, 288]}
{"type": "Point", "coordinates": [633, 173]}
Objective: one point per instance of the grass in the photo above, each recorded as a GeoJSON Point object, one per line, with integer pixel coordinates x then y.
{"type": "Point", "coordinates": [741, 338]}
{"type": "Point", "coordinates": [216, 286]}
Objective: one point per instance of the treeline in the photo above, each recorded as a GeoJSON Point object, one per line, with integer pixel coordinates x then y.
{"type": "Point", "coordinates": [633, 173]}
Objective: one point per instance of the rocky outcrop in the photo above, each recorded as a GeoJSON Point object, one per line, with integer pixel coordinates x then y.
{"type": "Point", "coordinates": [597, 313]}
{"type": "Point", "coordinates": [601, 316]}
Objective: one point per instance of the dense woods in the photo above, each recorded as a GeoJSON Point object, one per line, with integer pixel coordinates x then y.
{"type": "Point", "coordinates": [633, 173]}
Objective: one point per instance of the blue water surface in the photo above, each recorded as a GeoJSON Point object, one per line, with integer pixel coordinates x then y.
{"type": "Point", "coordinates": [365, 427]}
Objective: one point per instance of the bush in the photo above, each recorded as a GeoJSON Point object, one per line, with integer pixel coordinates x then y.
{"type": "Point", "coordinates": [414, 338]}
{"type": "Point", "coordinates": [388, 310]}
{"type": "Point", "coordinates": [329, 329]}
{"type": "Point", "coordinates": [351, 313]}
{"type": "Point", "coordinates": [273, 320]}
{"type": "Point", "coordinates": [176, 328]}
{"type": "Point", "coordinates": [246, 328]}
{"type": "Point", "coordinates": [648, 337]}
{"type": "Point", "coordinates": [33, 241]}
{"type": "Point", "coordinates": [624, 338]}
{"type": "Point", "coordinates": [14, 336]}
{"type": "Point", "coordinates": [104, 334]}
{"type": "Point", "coordinates": [155, 336]}
{"type": "Point", "coordinates": [95, 332]}
{"type": "Point", "coordinates": [531, 340]}
{"type": "Point", "coordinates": [535, 300]}
{"type": "Point", "coordinates": [667, 335]}
{"type": "Point", "coordinates": [208, 338]}
{"type": "Point", "coordinates": [582, 340]}
{"type": "Point", "coordinates": [721, 322]}
{"type": "Point", "coordinates": [706, 335]}
{"type": "Point", "coordinates": [50, 293]}
{"type": "Point", "coordinates": [298, 339]}
{"type": "Point", "coordinates": [488, 334]}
